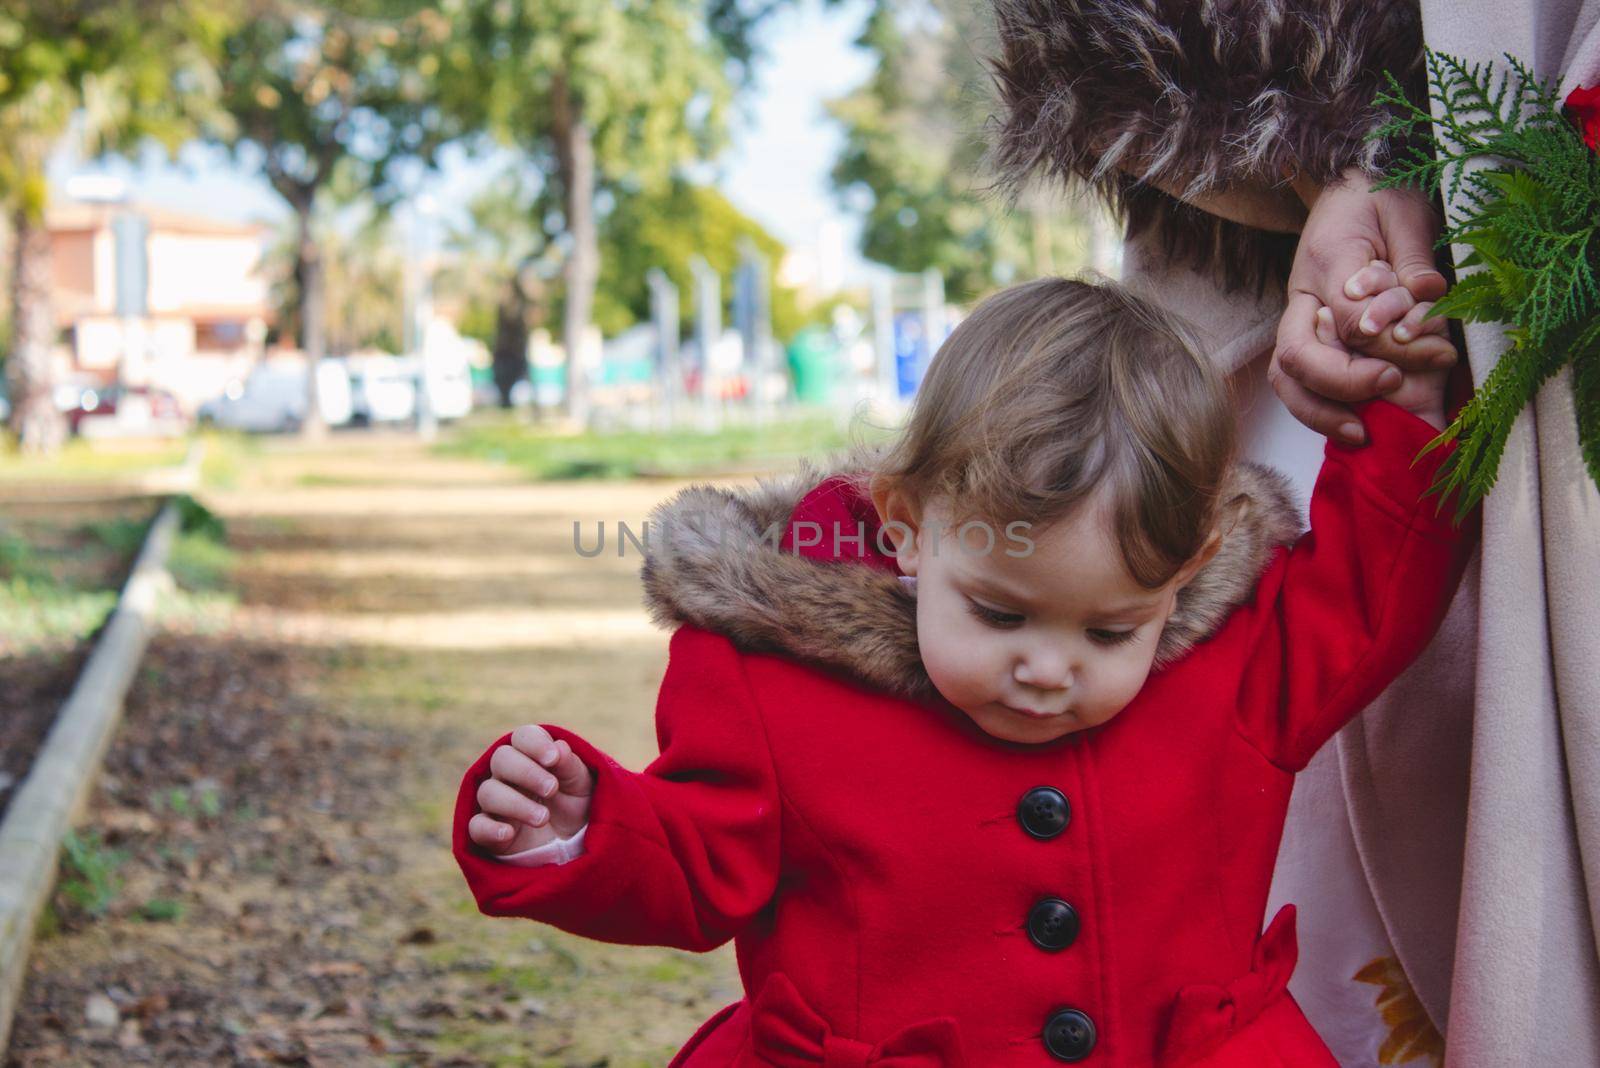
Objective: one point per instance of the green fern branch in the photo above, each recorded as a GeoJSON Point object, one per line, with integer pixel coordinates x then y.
{"type": "Point", "coordinates": [1524, 190]}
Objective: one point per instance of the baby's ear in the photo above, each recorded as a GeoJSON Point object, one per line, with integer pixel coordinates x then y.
{"type": "Point", "coordinates": [898, 517]}
{"type": "Point", "coordinates": [1192, 566]}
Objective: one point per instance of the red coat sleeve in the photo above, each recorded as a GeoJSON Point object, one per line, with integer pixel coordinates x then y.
{"type": "Point", "coordinates": [681, 854]}
{"type": "Point", "coordinates": [1343, 612]}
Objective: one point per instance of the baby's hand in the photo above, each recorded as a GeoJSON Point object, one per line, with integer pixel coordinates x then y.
{"type": "Point", "coordinates": [1419, 392]}
{"type": "Point", "coordinates": [538, 791]}
{"type": "Point", "coordinates": [1381, 337]}
{"type": "Point", "coordinates": [1397, 323]}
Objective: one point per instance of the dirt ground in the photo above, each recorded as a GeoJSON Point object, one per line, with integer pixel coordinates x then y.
{"type": "Point", "coordinates": [275, 807]}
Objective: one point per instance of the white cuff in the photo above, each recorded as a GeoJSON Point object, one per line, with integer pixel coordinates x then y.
{"type": "Point", "coordinates": [555, 851]}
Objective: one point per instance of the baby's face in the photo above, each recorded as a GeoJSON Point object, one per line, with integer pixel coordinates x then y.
{"type": "Point", "coordinates": [1044, 634]}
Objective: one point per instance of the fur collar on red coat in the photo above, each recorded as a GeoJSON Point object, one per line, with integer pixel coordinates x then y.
{"type": "Point", "coordinates": [714, 570]}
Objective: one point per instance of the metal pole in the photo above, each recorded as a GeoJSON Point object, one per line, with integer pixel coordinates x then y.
{"type": "Point", "coordinates": [408, 281]}
{"type": "Point", "coordinates": [708, 331]}
{"type": "Point", "coordinates": [932, 314]}
{"type": "Point", "coordinates": [664, 310]}
{"type": "Point", "coordinates": [753, 309]}
{"type": "Point", "coordinates": [762, 316]}
{"type": "Point", "coordinates": [883, 342]}
{"type": "Point", "coordinates": [417, 312]}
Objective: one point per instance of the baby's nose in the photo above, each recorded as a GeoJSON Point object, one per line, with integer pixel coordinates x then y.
{"type": "Point", "coordinates": [1044, 672]}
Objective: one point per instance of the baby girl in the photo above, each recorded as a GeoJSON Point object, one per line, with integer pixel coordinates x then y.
{"type": "Point", "coordinates": [983, 760]}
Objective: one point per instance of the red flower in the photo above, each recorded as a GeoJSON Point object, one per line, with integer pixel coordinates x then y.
{"type": "Point", "coordinates": [1583, 105]}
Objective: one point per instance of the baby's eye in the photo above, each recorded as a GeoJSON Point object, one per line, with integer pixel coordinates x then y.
{"type": "Point", "coordinates": [1112, 637]}
{"type": "Point", "coordinates": [991, 617]}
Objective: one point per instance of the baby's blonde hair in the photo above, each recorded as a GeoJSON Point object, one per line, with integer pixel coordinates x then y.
{"type": "Point", "coordinates": [1055, 389]}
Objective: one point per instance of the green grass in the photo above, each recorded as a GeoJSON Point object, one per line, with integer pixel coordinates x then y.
{"type": "Point", "coordinates": [494, 1045]}
{"type": "Point", "coordinates": [547, 455]}
{"type": "Point", "coordinates": [81, 460]}
{"type": "Point", "coordinates": [161, 910]}
{"type": "Point", "coordinates": [200, 564]}
{"type": "Point", "coordinates": [38, 613]}
{"type": "Point", "coordinates": [122, 535]}
{"type": "Point", "coordinates": [196, 799]}
{"type": "Point", "coordinates": [18, 559]}
{"type": "Point", "coordinates": [227, 455]}
{"type": "Point", "coordinates": [40, 602]}
{"type": "Point", "coordinates": [89, 873]}
{"type": "Point", "coordinates": [201, 558]}
{"type": "Point", "coordinates": [316, 481]}
{"type": "Point", "coordinates": [60, 590]}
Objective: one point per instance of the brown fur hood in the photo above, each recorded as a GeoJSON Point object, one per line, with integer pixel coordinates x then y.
{"type": "Point", "coordinates": [1136, 96]}
{"type": "Point", "coordinates": [708, 563]}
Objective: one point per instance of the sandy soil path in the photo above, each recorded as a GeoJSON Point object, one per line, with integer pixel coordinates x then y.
{"type": "Point", "coordinates": [275, 809]}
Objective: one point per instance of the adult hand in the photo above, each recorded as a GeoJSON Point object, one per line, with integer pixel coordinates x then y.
{"type": "Point", "coordinates": [1349, 226]}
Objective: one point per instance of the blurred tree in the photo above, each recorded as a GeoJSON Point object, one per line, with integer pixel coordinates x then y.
{"type": "Point", "coordinates": [503, 260]}
{"type": "Point", "coordinates": [133, 70]}
{"type": "Point", "coordinates": [914, 151]}
{"type": "Point", "coordinates": [590, 93]}
{"type": "Point", "coordinates": [363, 271]}
{"type": "Point", "coordinates": [733, 23]}
{"type": "Point", "coordinates": [310, 88]}
{"type": "Point", "coordinates": [664, 227]}
{"type": "Point", "coordinates": [503, 263]}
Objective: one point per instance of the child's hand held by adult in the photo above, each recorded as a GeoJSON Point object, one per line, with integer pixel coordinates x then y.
{"type": "Point", "coordinates": [1421, 393]}
{"type": "Point", "coordinates": [1350, 225]}
{"type": "Point", "coordinates": [1397, 317]}
{"type": "Point", "coordinates": [538, 791]}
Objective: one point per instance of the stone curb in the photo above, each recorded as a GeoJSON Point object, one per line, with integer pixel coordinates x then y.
{"type": "Point", "coordinates": [51, 797]}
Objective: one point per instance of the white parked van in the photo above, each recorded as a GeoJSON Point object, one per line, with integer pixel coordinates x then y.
{"type": "Point", "coordinates": [273, 398]}
{"type": "Point", "coordinates": [383, 388]}
{"type": "Point", "coordinates": [449, 385]}
{"type": "Point", "coordinates": [445, 364]}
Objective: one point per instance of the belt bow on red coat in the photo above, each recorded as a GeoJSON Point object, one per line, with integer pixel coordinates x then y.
{"type": "Point", "coordinates": [789, 1033]}
{"type": "Point", "coordinates": [1204, 1015]}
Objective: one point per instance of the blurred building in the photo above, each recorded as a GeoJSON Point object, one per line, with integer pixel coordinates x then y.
{"type": "Point", "coordinates": [159, 298]}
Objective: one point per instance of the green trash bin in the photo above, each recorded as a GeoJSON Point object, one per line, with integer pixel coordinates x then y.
{"type": "Point", "coordinates": [814, 363]}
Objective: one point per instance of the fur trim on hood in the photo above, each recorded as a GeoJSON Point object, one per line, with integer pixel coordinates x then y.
{"type": "Point", "coordinates": [1197, 96]}
{"type": "Point", "coordinates": [708, 563]}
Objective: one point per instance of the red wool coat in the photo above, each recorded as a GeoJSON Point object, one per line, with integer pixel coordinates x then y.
{"type": "Point", "coordinates": [905, 891]}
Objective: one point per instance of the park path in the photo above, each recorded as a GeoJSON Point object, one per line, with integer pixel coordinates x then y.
{"type": "Point", "coordinates": [279, 796]}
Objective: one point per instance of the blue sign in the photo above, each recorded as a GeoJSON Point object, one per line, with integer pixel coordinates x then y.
{"type": "Point", "coordinates": [911, 355]}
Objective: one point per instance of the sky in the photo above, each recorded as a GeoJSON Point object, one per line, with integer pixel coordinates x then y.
{"type": "Point", "coordinates": [776, 170]}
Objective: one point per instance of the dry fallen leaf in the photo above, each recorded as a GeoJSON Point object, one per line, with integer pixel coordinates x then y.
{"type": "Point", "coordinates": [337, 967]}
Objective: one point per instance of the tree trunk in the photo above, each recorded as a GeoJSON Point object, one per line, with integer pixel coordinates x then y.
{"type": "Point", "coordinates": [40, 427]}
{"type": "Point", "coordinates": [313, 325]}
{"type": "Point", "coordinates": [575, 160]}
{"type": "Point", "coordinates": [510, 341]}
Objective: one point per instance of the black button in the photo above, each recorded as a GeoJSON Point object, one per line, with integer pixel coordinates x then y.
{"type": "Point", "coordinates": [1069, 1035]}
{"type": "Point", "coordinates": [1044, 811]}
{"type": "Point", "coordinates": [1052, 924]}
